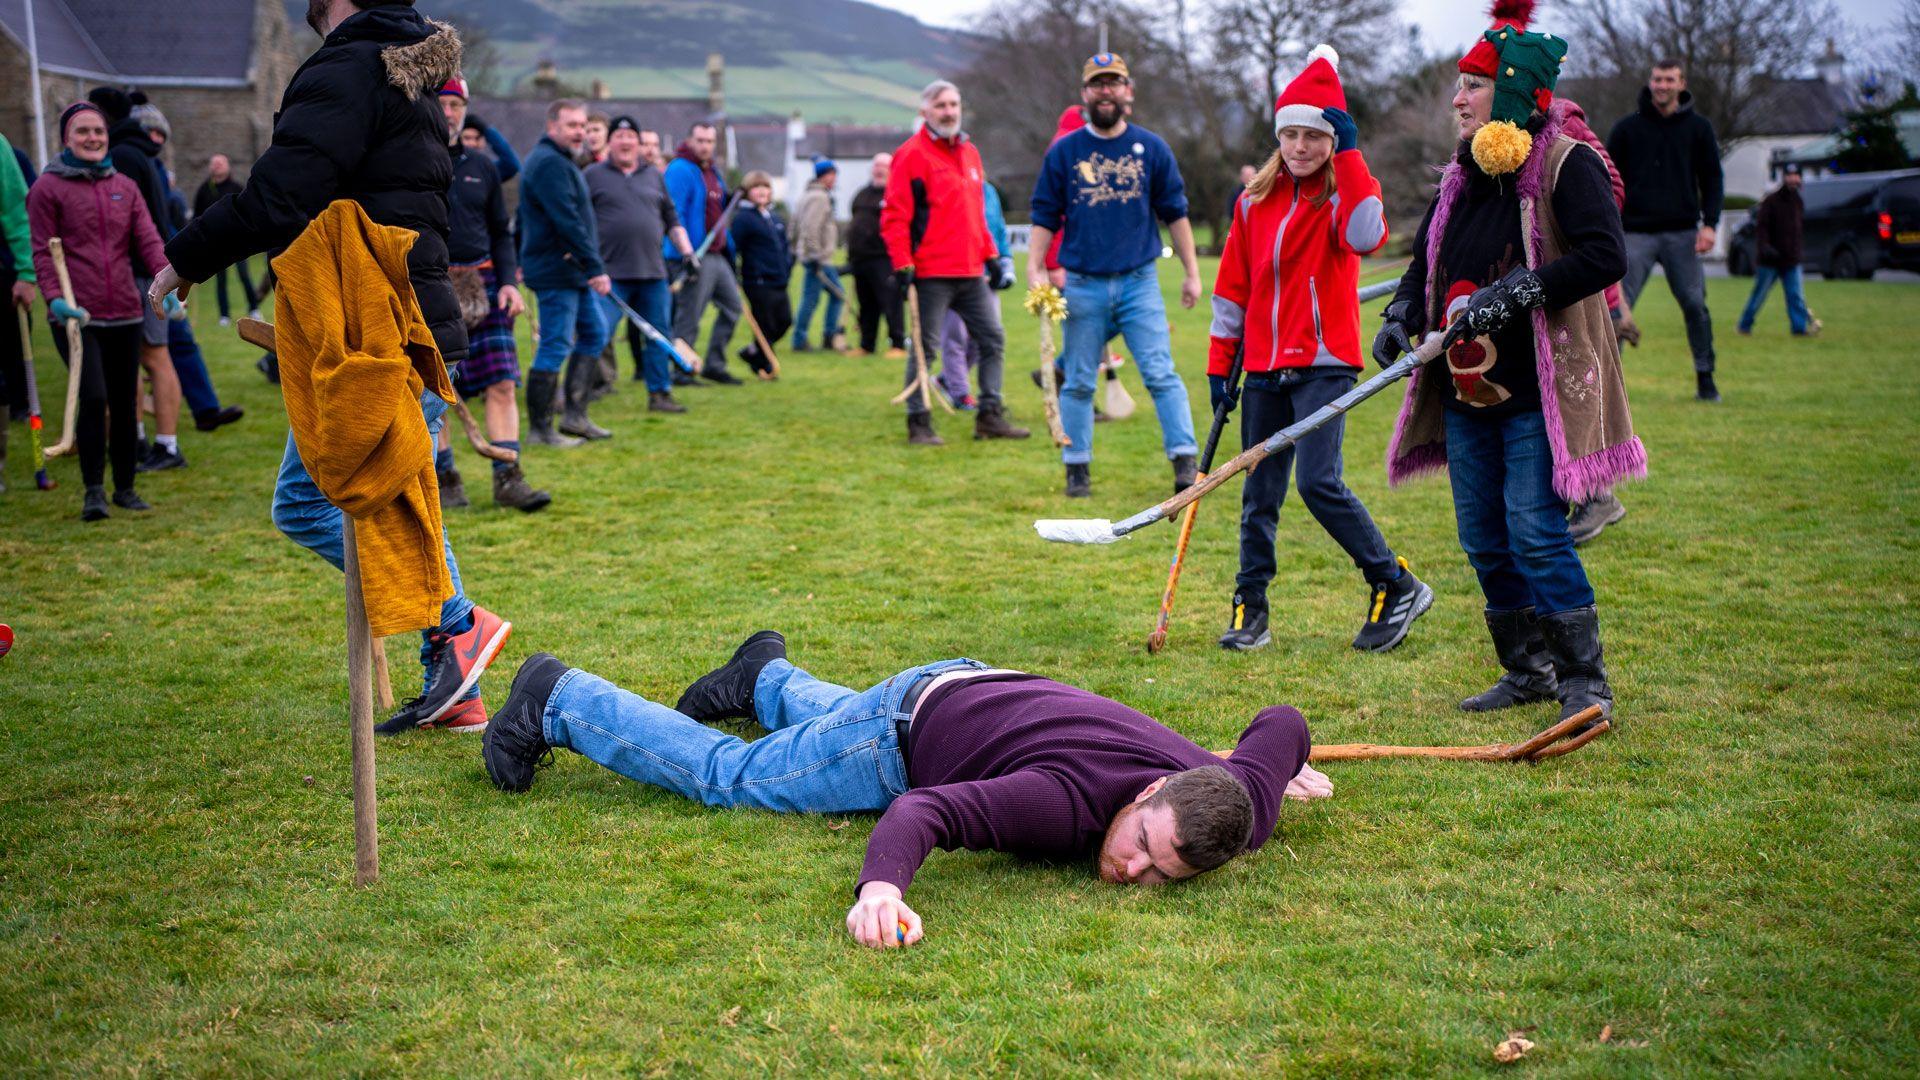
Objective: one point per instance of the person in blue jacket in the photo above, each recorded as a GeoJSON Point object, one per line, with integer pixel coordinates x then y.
{"type": "Point", "coordinates": [700, 198]}
{"type": "Point", "coordinates": [766, 265]}
{"type": "Point", "coordinates": [560, 262]}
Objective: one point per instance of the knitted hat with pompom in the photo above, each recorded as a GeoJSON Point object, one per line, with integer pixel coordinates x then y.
{"type": "Point", "coordinates": [1311, 93]}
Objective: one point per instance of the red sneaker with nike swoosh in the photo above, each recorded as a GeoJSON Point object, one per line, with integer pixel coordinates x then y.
{"type": "Point", "coordinates": [453, 672]}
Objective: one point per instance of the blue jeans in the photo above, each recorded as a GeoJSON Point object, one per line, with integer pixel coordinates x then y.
{"type": "Point", "coordinates": [654, 301]}
{"type": "Point", "coordinates": [1512, 525]}
{"type": "Point", "coordinates": [830, 750]}
{"type": "Point", "coordinates": [810, 290]}
{"type": "Point", "coordinates": [1763, 279]}
{"type": "Point", "coordinates": [570, 322]}
{"type": "Point", "coordinates": [196, 386]}
{"type": "Point", "coordinates": [1098, 307]}
{"type": "Point", "coordinates": [308, 519]}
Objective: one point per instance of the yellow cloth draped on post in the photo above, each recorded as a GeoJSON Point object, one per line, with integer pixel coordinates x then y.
{"type": "Point", "coordinates": [355, 357]}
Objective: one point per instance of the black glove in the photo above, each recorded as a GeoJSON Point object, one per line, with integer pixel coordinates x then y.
{"type": "Point", "coordinates": [1401, 325]}
{"type": "Point", "coordinates": [1000, 274]}
{"type": "Point", "coordinates": [1492, 307]}
{"type": "Point", "coordinates": [903, 277]}
{"type": "Point", "coordinates": [1218, 391]}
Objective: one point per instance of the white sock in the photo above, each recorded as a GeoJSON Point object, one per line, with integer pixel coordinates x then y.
{"type": "Point", "coordinates": [171, 443]}
{"type": "Point", "coordinates": [140, 429]}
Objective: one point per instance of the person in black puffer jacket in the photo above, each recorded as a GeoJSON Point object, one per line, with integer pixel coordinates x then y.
{"type": "Point", "coordinates": [766, 265]}
{"type": "Point", "coordinates": [359, 121]}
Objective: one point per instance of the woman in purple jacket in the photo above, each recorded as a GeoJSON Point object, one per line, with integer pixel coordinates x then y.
{"type": "Point", "coordinates": [102, 222]}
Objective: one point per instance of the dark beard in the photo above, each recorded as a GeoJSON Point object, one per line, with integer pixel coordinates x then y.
{"type": "Point", "coordinates": [316, 11]}
{"type": "Point", "coordinates": [1105, 114]}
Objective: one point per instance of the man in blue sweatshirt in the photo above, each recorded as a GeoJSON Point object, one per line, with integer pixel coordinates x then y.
{"type": "Point", "coordinates": [700, 199]}
{"type": "Point", "coordinates": [1111, 185]}
{"type": "Point", "coordinates": [560, 262]}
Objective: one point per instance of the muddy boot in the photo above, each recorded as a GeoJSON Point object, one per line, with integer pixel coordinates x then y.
{"type": "Point", "coordinates": [453, 491]}
{"type": "Point", "coordinates": [991, 423]}
{"type": "Point", "coordinates": [606, 376]}
{"type": "Point", "coordinates": [540, 387]}
{"type": "Point", "coordinates": [662, 401]}
{"type": "Point", "coordinates": [1573, 641]}
{"type": "Point", "coordinates": [1523, 652]}
{"type": "Point", "coordinates": [511, 490]}
{"type": "Point", "coordinates": [920, 430]}
{"type": "Point", "coordinates": [580, 373]}
{"type": "Point", "coordinates": [1079, 481]}
{"type": "Point", "coordinates": [1186, 472]}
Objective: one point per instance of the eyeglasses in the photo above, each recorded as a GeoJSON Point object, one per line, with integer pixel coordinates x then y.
{"type": "Point", "coordinates": [1106, 82]}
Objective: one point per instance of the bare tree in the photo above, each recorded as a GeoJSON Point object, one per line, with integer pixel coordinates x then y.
{"type": "Point", "coordinates": [1728, 47]}
{"type": "Point", "coordinates": [1267, 39]}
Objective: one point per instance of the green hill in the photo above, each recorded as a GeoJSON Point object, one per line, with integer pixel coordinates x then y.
{"type": "Point", "coordinates": [837, 60]}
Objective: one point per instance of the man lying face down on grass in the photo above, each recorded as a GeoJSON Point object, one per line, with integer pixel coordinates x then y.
{"type": "Point", "coordinates": [956, 754]}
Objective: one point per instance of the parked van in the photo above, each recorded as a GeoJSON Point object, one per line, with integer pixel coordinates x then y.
{"type": "Point", "coordinates": [1855, 224]}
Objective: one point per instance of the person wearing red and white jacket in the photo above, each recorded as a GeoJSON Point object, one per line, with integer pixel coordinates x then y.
{"type": "Point", "coordinates": [934, 222]}
{"type": "Point", "coordinates": [1285, 299]}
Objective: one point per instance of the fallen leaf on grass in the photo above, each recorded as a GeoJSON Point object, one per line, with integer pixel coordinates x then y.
{"type": "Point", "coordinates": [836, 826]}
{"type": "Point", "coordinates": [1512, 1050]}
{"type": "Point", "coordinates": [731, 1018]}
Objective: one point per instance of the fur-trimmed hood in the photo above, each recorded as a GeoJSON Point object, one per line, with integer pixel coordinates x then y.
{"type": "Point", "coordinates": [419, 68]}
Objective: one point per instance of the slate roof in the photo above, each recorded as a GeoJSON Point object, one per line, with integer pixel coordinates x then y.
{"type": "Point", "coordinates": [1799, 107]}
{"type": "Point", "coordinates": [157, 42]}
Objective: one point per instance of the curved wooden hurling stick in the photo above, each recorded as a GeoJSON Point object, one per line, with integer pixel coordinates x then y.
{"type": "Point", "coordinates": [921, 384]}
{"type": "Point", "coordinates": [1157, 638]}
{"type": "Point", "coordinates": [1045, 303]}
{"type": "Point", "coordinates": [1545, 744]}
{"type": "Point", "coordinates": [760, 339]}
{"type": "Point", "coordinates": [76, 356]}
{"type": "Point", "coordinates": [259, 333]}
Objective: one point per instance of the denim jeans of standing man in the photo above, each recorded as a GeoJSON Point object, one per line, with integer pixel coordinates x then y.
{"type": "Point", "coordinates": [830, 750]}
{"type": "Point", "coordinates": [654, 303]}
{"type": "Point", "coordinates": [308, 519]}
{"type": "Point", "coordinates": [1098, 307]}
{"type": "Point", "coordinates": [570, 321]}
{"type": "Point", "coordinates": [1763, 278]}
{"type": "Point", "coordinates": [811, 289]}
{"type": "Point", "coordinates": [1686, 279]}
{"type": "Point", "coordinates": [1513, 526]}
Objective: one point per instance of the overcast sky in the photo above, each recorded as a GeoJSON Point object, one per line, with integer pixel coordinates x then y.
{"type": "Point", "coordinates": [1442, 22]}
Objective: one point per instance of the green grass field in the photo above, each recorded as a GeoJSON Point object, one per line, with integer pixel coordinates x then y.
{"type": "Point", "coordinates": [1727, 882]}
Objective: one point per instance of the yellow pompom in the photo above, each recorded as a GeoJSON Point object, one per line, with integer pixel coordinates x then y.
{"type": "Point", "coordinates": [1046, 302]}
{"type": "Point", "coordinates": [1501, 146]}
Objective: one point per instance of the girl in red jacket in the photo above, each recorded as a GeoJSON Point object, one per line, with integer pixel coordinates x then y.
{"type": "Point", "coordinates": [103, 225]}
{"type": "Point", "coordinates": [1285, 300]}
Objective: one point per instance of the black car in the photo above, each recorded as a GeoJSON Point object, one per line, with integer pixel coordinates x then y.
{"type": "Point", "coordinates": [1854, 226]}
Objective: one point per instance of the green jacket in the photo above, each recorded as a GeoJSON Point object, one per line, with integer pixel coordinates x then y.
{"type": "Point", "coordinates": [13, 211]}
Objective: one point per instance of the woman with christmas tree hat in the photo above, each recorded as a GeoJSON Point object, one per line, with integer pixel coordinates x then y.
{"type": "Point", "coordinates": [1521, 241]}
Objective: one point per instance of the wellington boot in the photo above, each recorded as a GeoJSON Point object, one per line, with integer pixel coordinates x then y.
{"type": "Point", "coordinates": [1523, 652]}
{"type": "Point", "coordinates": [540, 388]}
{"type": "Point", "coordinates": [920, 430]}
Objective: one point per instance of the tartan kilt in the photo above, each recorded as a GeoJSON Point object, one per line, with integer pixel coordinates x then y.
{"type": "Point", "coordinates": [491, 354]}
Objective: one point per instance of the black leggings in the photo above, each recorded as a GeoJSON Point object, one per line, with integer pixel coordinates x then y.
{"type": "Point", "coordinates": [109, 386]}
{"type": "Point", "coordinates": [773, 310]}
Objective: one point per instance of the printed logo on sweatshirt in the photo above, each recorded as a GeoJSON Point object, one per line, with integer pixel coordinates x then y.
{"type": "Point", "coordinates": [1101, 179]}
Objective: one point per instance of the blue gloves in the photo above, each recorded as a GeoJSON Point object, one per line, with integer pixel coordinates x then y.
{"type": "Point", "coordinates": [1346, 134]}
{"type": "Point", "coordinates": [62, 310]}
{"type": "Point", "coordinates": [1218, 392]}
{"type": "Point", "coordinates": [173, 308]}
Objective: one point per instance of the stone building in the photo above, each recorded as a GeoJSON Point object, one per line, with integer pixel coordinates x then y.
{"type": "Point", "coordinates": [216, 68]}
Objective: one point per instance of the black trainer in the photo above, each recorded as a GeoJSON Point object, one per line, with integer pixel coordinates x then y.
{"type": "Point", "coordinates": [1079, 481]}
{"type": "Point", "coordinates": [1248, 629]}
{"type": "Point", "coordinates": [515, 743]}
{"type": "Point", "coordinates": [1704, 388]}
{"type": "Point", "coordinates": [719, 375]}
{"type": "Point", "coordinates": [726, 692]}
{"type": "Point", "coordinates": [1391, 610]}
{"type": "Point", "coordinates": [159, 459]}
{"type": "Point", "coordinates": [93, 504]}
{"type": "Point", "coordinates": [1186, 471]}
{"type": "Point", "coordinates": [129, 499]}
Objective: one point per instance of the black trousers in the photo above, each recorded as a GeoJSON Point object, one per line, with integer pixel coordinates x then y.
{"type": "Point", "coordinates": [109, 385]}
{"type": "Point", "coordinates": [877, 292]}
{"type": "Point", "coordinates": [1268, 403]}
{"type": "Point", "coordinates": [773, 309]}
{"type": "Point", "coordinates": [13, 375]}
{"type": "Point", "coordinates": [246, 286]}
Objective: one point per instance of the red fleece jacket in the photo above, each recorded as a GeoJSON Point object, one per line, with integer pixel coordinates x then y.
{"type": "Point", "coordinates": [1290, 271]}
{"type": "Point", "coordinates": [934, 217]}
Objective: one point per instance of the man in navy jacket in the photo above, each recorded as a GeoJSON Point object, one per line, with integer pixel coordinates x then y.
{"type": "Point", "coordinates": [560, 262]}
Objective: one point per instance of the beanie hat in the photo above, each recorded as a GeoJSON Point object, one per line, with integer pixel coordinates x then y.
{"type": "Point", "coordinates": [454, 87]}
{"type": "Point", "coordinates": [822, 166]}
{"type": "Point", "coordinates": [149, 116]}
{"type": "Point", "coordinates": [74, 110]}
{"type": "Point", "coordinates": [1311, 93]}
{"type": "Point", "coordinates": [113, 102]}
{"type": "Point", "coordinates": [1524, 68]}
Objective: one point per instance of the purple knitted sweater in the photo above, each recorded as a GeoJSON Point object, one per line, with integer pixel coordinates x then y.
{"type": "Point", "coordinates": [1023, 764]}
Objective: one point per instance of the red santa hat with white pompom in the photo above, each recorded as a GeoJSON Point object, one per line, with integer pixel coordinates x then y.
{"type": "Point", "coordinates": [1311, 93]}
